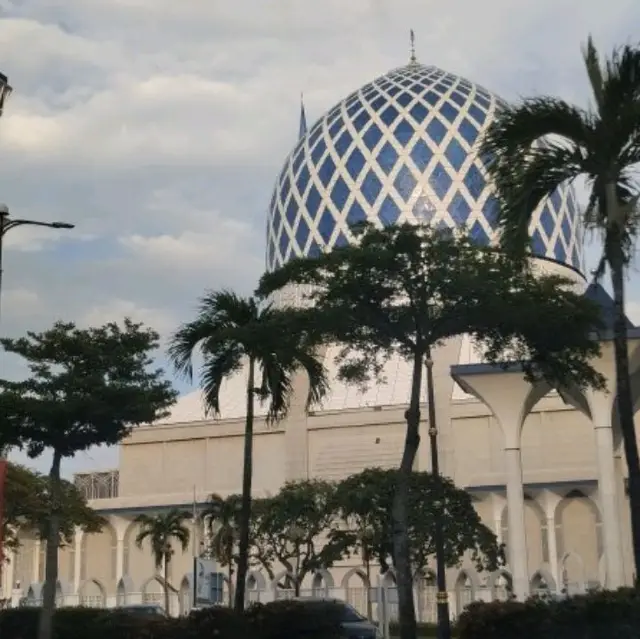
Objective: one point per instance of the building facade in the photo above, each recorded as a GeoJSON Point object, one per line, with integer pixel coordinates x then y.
{"type": "Point", "coordinates": [545, 467]}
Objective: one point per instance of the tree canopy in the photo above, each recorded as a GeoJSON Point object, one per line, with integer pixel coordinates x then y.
{"type": "Point", "coordinates": [290, 531]}
{"type": "Point", "coordinates": [27, 507]}
{"type": "Point", "coordinates": [86, 387]}
{"type": "Point", "coordinates": [406, 288]}
{"type": "Point", "coordinates": [366, 499]}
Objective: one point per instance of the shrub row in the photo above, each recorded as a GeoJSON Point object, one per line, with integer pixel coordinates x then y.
{"type": "Point", "coordinates": [599, 615]}
{"type": "Point", "coordinates": [278, 620]}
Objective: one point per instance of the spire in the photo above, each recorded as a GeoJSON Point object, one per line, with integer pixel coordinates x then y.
{"type": "Point", "coordinates": [303, 119]}
{"type": "Point", "coordinates": [412, 36]}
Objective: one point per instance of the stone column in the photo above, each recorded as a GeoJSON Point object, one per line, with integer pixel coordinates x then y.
{"type": "Point", "coordinates": [552, 545]}
{"type": "Point", "coordinates": [37, 577]}
{"type": "Point", "coordinates": [517, 542]}
{"type": "Point", "coordinates": [510, 398]}
{"type": "Point", "coordinates": [119, 558]}
{"type": "Point", "coordinates": [78, 557]}
{"type": "Point", "coordinates": [608, 499]}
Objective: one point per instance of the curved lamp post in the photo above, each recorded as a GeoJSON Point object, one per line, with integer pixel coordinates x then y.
{"type": "Point", "coordinates": [6, 224]}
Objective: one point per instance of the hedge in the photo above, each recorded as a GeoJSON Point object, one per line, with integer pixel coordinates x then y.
{"type": "Point", "coordinates": [277, 620]}
{"type": "Point", "coordinates": [599, 615]}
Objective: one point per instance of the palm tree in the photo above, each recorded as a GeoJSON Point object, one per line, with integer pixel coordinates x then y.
{"type": "Point", "coordinates": [543, 142]}
{"type": "Point", "coordinates": [221, 517]}
{"type": "Point", "coordinates": [160, 530]}
{"type": "Point", "coordinates": [228, 332]}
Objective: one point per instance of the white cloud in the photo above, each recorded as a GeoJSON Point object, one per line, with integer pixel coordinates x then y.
{"type": "Point", "coordinates": [158, 127]}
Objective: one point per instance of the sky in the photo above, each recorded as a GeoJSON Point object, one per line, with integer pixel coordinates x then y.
{"type": "Point", "coordinates": [158, 129]}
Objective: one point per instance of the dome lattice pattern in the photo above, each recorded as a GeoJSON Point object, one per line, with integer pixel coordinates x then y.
{"type": "Point", "coordinates": [402, 148]}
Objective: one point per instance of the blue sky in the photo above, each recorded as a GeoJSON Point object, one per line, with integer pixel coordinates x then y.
{"type": "Point", "coordinates": [158, 127]}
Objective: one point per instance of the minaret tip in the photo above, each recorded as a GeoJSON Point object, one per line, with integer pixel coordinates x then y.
{"type": "Point", "coordinates": [412, 37]}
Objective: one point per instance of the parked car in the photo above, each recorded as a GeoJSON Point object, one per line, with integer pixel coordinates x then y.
{"type": "Point", "coordinates": [354, 625]}
{"type": "Point", "coordinates": [144, 609]}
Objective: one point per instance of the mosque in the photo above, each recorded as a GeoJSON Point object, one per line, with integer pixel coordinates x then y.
{"type": "Point", "coordinates": [545, 468]}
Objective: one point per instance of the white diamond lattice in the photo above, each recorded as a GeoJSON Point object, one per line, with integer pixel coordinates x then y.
{"type": "Point", "coordinates": [403, 148]}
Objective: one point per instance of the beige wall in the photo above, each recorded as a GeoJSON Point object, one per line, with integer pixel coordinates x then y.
{"type": "Point", "coordinates": [162, 465]}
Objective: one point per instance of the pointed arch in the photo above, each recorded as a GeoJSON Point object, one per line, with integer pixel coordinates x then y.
{"type": "Point", "coordinates": [92, 594]}
{"type": "Point", "coordinates": [346, 580]}
{"type": "Point", "coordinates": [185, 596]}
{"type": "Point", "coordinates": [501, 584]}
{"type": "Point", "coordinates": [259, 581]}
{"type": "Point", "coordinates": [152, 591]}
{"type": "Point", "coordinates": [464, 589]}
{"type": "Point", "coordinates": [124, 588]}
{"type": "Point", "coordinates": [542, 581]}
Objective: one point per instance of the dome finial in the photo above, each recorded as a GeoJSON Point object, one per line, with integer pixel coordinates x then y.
{"type": "Point", "coordinates": [302, 131]}
{"type": "Point", "coordinates": [412, 37]}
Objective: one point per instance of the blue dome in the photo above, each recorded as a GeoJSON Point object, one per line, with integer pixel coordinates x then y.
{"type": "Point", "coordinates": [403, 148]}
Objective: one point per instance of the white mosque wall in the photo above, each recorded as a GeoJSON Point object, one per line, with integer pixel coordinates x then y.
{"type": "Point", "coordinates": [161, 466]}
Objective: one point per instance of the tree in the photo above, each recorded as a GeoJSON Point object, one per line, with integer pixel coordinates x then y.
{"type": "Point", "coordinates": [551, 142]}
{"type": "Point", "coordinates": [366, 499]}
{"type": "Point", "coordinates": [291, 530]}
{"type": "Point", "coordinates": [28, 507]}
{"type": "Point", "coordinates": [230, 331]}
{"type": "Point", "coordinates": [87, 387]}
{"type": "Point", "coordinates": [161, 529]}
{"type": "Point", "coordinates": [403, 290]}
{"type": "Point", "coordinates": [221, 517]}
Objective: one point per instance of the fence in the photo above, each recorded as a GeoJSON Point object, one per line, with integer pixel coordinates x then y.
{"type": "Point", "coordinates": [365, 601]}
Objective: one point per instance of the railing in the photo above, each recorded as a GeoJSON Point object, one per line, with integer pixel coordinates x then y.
{"type": "Point", "coordinates": [98, 485]}
{"type": "Point", "coordinates": [180, 603]}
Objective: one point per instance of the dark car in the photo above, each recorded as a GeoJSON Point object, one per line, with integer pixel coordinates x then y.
{"type": "Point", "coordinates": [145, 610]}
{"type": "Point", "coordinates": [353, 624]}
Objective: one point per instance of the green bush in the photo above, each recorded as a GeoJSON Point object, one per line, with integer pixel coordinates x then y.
{"type": "Point", "coordinates": [277, 620]}
{"type": "Point", "coordinates": [79, 623]}
{"type": "Point", "coordinates": [599, 615]}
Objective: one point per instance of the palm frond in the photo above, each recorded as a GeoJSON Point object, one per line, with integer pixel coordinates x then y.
{"type": "Point", "coordinates": [215, 369]}
{"type": "Point", "coordinates": [594, 72]}
{"type": "Point", "coordinates": [519, 128]}
{"type": "Point", "coordinates": [522, 190]}
{"type": "Point", "coordinates": [276, 385]}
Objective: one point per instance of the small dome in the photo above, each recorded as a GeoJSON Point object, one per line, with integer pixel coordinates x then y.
{"type": "Point", "coordinates": [403, 148]}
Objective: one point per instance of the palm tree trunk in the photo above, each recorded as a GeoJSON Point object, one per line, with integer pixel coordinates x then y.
{"type": "Point", "coordinates": [245, 510]}
{"type": "Point", "coordinates": [624, 395]}
{"type": "Point", "coordinates": [45, 626]}
{"type": "Point", "coordinates": [166, 586]}
{"type": "Point", "coordinates": [402, 558]}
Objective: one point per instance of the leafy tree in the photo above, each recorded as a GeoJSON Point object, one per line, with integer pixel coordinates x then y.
{"type": "Point", "coordinates": [550, 142]}
{"type": "Point", "coordinates": [28, 507]}
{"type": "Point", "coordinates": [405, 289]}
{"type": "Point", "coordinates": [291, 530]}
{"type": "Point", "coordinates": [367, 500]}
{"type": "Point", "coordinates": [87, 387]}
{"type": "Point", "coordinates": [230, 331]}
{"type": "Point", "coordinates": [221, 517]}
{"type": "Point", "coordinates": [161, 529]}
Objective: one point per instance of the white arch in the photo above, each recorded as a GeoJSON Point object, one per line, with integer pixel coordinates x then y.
{"type": "Point", "coordinates": [327, 577]}
{"type": "Point", "coordinates": [260, 581]}
{"type": "Point", "coordinates": [544, 575]}
{"type": "Point", "coordinates": [97, 600]}
{"type": "Point", "coordinates": [354, 571]}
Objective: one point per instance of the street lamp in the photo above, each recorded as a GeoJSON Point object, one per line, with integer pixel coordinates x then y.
{"type": "Point", "coordinates": [5, 90]}
{"type": "Point", "coordinates": [442, 597]}
{"type": "Point", "coordinates": [6, 224]}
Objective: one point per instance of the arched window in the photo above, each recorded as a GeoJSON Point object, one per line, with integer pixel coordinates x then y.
{"type": "Point", "coordinates": [464, 592]}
